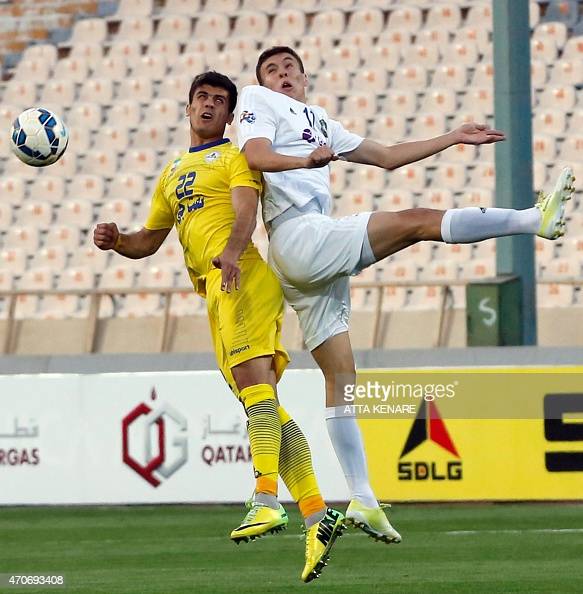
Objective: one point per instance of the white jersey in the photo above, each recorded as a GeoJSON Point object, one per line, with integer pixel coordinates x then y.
{"type": "Point", "coordinates": [294, 129]}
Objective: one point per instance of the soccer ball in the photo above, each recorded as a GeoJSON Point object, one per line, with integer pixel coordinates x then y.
{"type": "Point", "coordinates": [39, 137]}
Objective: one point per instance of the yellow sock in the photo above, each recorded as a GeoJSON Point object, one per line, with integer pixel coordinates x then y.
{"type": "Point", "coordinates": [264, 435]}
{"type": "Point", "coordinates": [295, 466]}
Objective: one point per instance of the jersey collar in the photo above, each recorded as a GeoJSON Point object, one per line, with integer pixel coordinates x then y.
{"type": "Point", "coordinates": [202, 147]}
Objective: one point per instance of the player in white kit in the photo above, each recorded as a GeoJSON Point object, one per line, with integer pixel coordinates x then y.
{"type": "Point", "coordinates": [313, 255]}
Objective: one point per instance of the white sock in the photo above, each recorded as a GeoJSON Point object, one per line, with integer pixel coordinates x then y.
{"type": "Point", "coordinates": [345, 436]}
{"type": "Point", "coordinates": [467, 225]}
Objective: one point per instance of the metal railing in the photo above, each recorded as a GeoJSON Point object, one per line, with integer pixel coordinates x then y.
{"type": "Point", "coordinates": [96, 295]}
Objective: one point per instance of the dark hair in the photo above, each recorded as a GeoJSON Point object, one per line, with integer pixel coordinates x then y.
{"type": "Point", "coordinates": [273, 51]}
{"type": "Point", "coordinates": [215, 79]}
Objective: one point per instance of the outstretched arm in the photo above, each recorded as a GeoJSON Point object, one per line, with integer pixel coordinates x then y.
{"type": "Point", "coordinates": [261, 157]}
{"type": "Point", "coordinates": [140, 244]}
{"type": "Point", "coordinates": [392, 157]}
{"type": "Point", "coordinates": [244, 201]}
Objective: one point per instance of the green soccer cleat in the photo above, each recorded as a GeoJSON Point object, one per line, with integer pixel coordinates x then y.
{"type": "Point", "coordinates": [373, 521]}
{"type": "Point", "coordinates": [319, 540]}
{"type": "Point", "coordinates": [552, 206]}
{"type": "Point", "coordinates": [259, 521]}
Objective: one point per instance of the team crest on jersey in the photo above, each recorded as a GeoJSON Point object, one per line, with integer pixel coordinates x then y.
{"type": "Point", "coordinates": [212, 157]}
{"type": "Point", "coordinates": [247, 116]}
{"type": "Point", "coordinates": [174, 165]}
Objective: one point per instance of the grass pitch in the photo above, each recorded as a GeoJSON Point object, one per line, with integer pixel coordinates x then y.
{"type": "Point", "coordinates": [536, 548]}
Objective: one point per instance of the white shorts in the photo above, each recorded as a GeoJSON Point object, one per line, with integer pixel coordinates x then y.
{"type": "Point", "coordinates": [313, 256]}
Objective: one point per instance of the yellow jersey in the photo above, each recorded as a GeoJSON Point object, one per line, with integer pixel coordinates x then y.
{"type": "Point", "coordinates": [194, 193]}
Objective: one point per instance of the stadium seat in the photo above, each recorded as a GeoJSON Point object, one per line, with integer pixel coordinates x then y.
{"type": "Point", "coordinates": [441, 270]}
{"type": "Point", "coordinates": [382, 56]}
{"type": "Point", "coordinates": [450, 76]}
{"type": "Point", "coordinates": [444, 16]}
{"type": "Point", "coordinates": [356, 123]}
{"type": "Point", "coordinates": [401, 270]}
{"type": "Point", "coordinates": [35, 212]}
{"type": "Point", "coordinates": [409, 177]}
{"type": "Point", "coordinates": [135, 28]}
{"type": "Point", "coordinates": [141, 305]}
{"type": "Point", "coordinates": [134, 8]}
{"type": "Point", "coordinates": [436, 196]}
{"type": "Point", "coordinates": [567, 72]}
{"type": "Point", "coordinates": [345, 56]}
{"type": "Point", "coordinates": [118, 210]}
{"type": "Point", "coordinates": [211, 24]}
{"type": "Point", "coordinates": [410, 77]}
{"type": "Point", "coordinates": [460, 153]}
{"type": "Point", "coordinates": [98, 90]}
{"type": "Point", "coordinates": [173, 28]}
{"type": "Point", "coordinates": [545, 49]}
{"type": "Point", "coordinates": [439, 100]}
{"type": "Point", "coordinates": [477, 269]}
{"type": "Point", "coordinates": [6, 218]}
{"type": "Point", "coordinates": [572, 147]}
{"type": "Point", "coordinates": [113, 67]}
{"type": "Point", "coordinates": [187, 7]}
{"type": "Point", "coordinates": [328, 22]}
{"type": "Point", "coordinates": [12, 190]}
{"type": "Point", "coordinates": [187, 62]}
{"type": "Point", "coordinates": [479, 16]}
{"type": "Point", "coordinates": [425, 55]}
{"type": "Point", "coordinates": [99, 162]}
{"type": "Point", "coordinates": [475, 35]}
{"type": "Point", "coordinates": [60, 91]}
{"type": "Point", "coordinates": [229, 62]}
{"type": "Point", "coordinates": [338, 179]}
{"type": "Point", "coordinates": [538, 74]}
{"type": "Point", "coordinates": [163, 112]}
{"type": "Point", "coordinates": [551, 30]}
{"type": "Point", "coordinates": [557, 97]}
{"type": "Point", "coordinates": [139, 161]}
{"type": "Point", "coordinates": [66, 166]}
{"type": "Point", "coordinates": [389, 128]}
{"type": "Point", "coordinates": [483, 175]}
{"type": "Point", "coordinates": [540, 176]}
{"type": "Point", "coordinates": [53, 257]}
{"type": "Point", "coordinates": [130, 51]}
{"type": "Point", "coordinates": [332, 80]}
{"type": "Point", "coordinates": [37, 69]}
{"type": "Point", "coordinates": [366, 20]}
{"type": "Point", "coordinates": [75, 69]}
{"type": "Point", "coordinates": [153, 136]}
{"type": "Point", "coordinates": [289, 22]}
{"type": "Point", "coordinates": [372, 80]}
{"type": "Point", "coordinates": [87, 115]}
{"type": "Point", "coordinates": [461, 52]}
{"type": "Point", "coordinates": [138, 88]}
{"type": "Point", "coordinates": [117, 276]}
{"type": "Point", "coordinates": [76, 212]}
{"type": "Point", "coordinates": [354, 201]}
{"type": "Point", "coordinates": [186, 303]}
{"type": "Point", "coordinates": [472, 196]}
{"type": "Point", "coordinates": [64, 235]}
{"type": "Point", "coordinates": [449, 175]}
{"type": "Point", "coordinates": [169, 49]}
{"type": "Point", "coordinates": [92, 53]}
{"type": "Point", "coordinates": [534, 13]}
{"type": "Point", "coordinates": [562, 268]}
{"type": "Point", "coordinates": [426, 125]}
{"type": "Point", "coordinates": [246, 45]}
{"type": "Point", "coordinates": [89, 31]}
{"type": "Point", "coordinates": [311, 59]}
{"type": "Point", "coordinates": [361, 103]}
{"type": "Point", "coordinates": [25, 237]}
{"type": "Point", "coordinates": [20, 92]}
{"type": "Point", "coordinates": [15, 167]}
{"type": "Point", "coordinates": [393, 200]}
{"type": "Point", "coordinates": [124, 113]}
{"type": "Point", "coordinates": [368, 178]}
{"type": "Point", "coordinates": [86, 187]}
{"type": "Point", "coordinates": [113, 139]}
{"type": "Point", "coordinates": [150, 67]}
{"type": "Point", "coordinates": [360, 39]}
{"type": "Point", "coordinates": [544, 250]}
{"type": "Point", "coordinates": [13, 260]}
{"type": "Point", "coordinates": [484, 75]}
{"type": "Point", "coordinates": [573, 48]}
{"type": "Point", "coordinates": [407, 18]}
{"type": "Point", "coordinates": [251, 24]}
{"type": "Point", "coordinates": [554, 295]}
{"type": "Point", "coordinates": [45, 51]}
{"type": "Point", "coordinates": [551, 121]}
{"type": "Point", "coordinates": [480, 99]}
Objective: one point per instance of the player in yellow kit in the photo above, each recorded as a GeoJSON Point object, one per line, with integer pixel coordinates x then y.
{"type": "Point", "coordinates": [211, 196]}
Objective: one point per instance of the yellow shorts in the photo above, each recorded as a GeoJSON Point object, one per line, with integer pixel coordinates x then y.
{"type": "Point", "coordinates": [246, 324]}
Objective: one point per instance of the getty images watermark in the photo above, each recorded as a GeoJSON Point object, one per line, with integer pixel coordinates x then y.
{"type": "Point", "coordinates": [488, 393]}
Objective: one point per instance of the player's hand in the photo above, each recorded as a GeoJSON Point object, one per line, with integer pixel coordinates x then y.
{"type": "Point", "coordinates": [472, 133]}
{"type": "Point", "coordinates": [320, 157]}
{"type": "Point", "coordinates": [105, 236]}
{"type": "Point", "coordinates": [230, 271]}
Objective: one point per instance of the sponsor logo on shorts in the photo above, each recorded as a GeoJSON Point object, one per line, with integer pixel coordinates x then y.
{"type": "Point", "coordinates": [239, 350]}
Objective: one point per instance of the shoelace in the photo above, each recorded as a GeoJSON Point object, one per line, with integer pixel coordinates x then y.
{"type": "Point", "coordinates": [253, 509]}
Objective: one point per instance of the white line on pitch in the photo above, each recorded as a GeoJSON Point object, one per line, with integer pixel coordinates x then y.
{"type": "Point", "coordinates": [531, 530]}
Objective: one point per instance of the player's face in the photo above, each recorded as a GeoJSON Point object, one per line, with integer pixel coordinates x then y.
{"type": "Point", "coordinates": [209, 111]}
{"type": "Point", "coordinates": [281, 73]}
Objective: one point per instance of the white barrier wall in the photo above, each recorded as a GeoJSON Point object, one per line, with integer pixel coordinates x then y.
{"type": "Point", "coordinates": [143, 438]}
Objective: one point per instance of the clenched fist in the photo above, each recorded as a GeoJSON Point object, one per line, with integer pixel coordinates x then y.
{"type": "Point", "coordinates": [105, 236]}
{"type": "Point", "coordinates": [320, 157]}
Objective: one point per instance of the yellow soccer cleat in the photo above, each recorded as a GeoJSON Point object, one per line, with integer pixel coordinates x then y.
{"type": "Point", "coordinates": [373, 521]}
{"type": "Point", "coordinates": [319, 540]}
{"type": "Point", "coordinates": [552, 206]}
{"type": "Point", "coordinates": [260, 520]}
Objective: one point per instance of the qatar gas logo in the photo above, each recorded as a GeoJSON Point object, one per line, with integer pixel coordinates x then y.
{"type": "Point", "coordinates": [429, 426]}
{"type": "Point", "coordinates": [154, 440]}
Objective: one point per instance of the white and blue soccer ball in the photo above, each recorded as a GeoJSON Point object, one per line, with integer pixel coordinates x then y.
{"type": "Point", "coordinates": [39, 137]}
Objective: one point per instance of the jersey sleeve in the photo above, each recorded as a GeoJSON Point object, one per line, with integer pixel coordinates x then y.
{"type": "Point", "coordinates": [256, 116]}
{"type": "Point", "coordinates": [241, 175]}
{"type": "Point", "coordinates": [160, 215]}
{"type": "Point", "coordinates": [341, 140]}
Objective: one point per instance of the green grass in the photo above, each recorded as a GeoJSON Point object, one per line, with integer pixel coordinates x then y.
{"type": "Point", "coordinates": [181, 549]}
